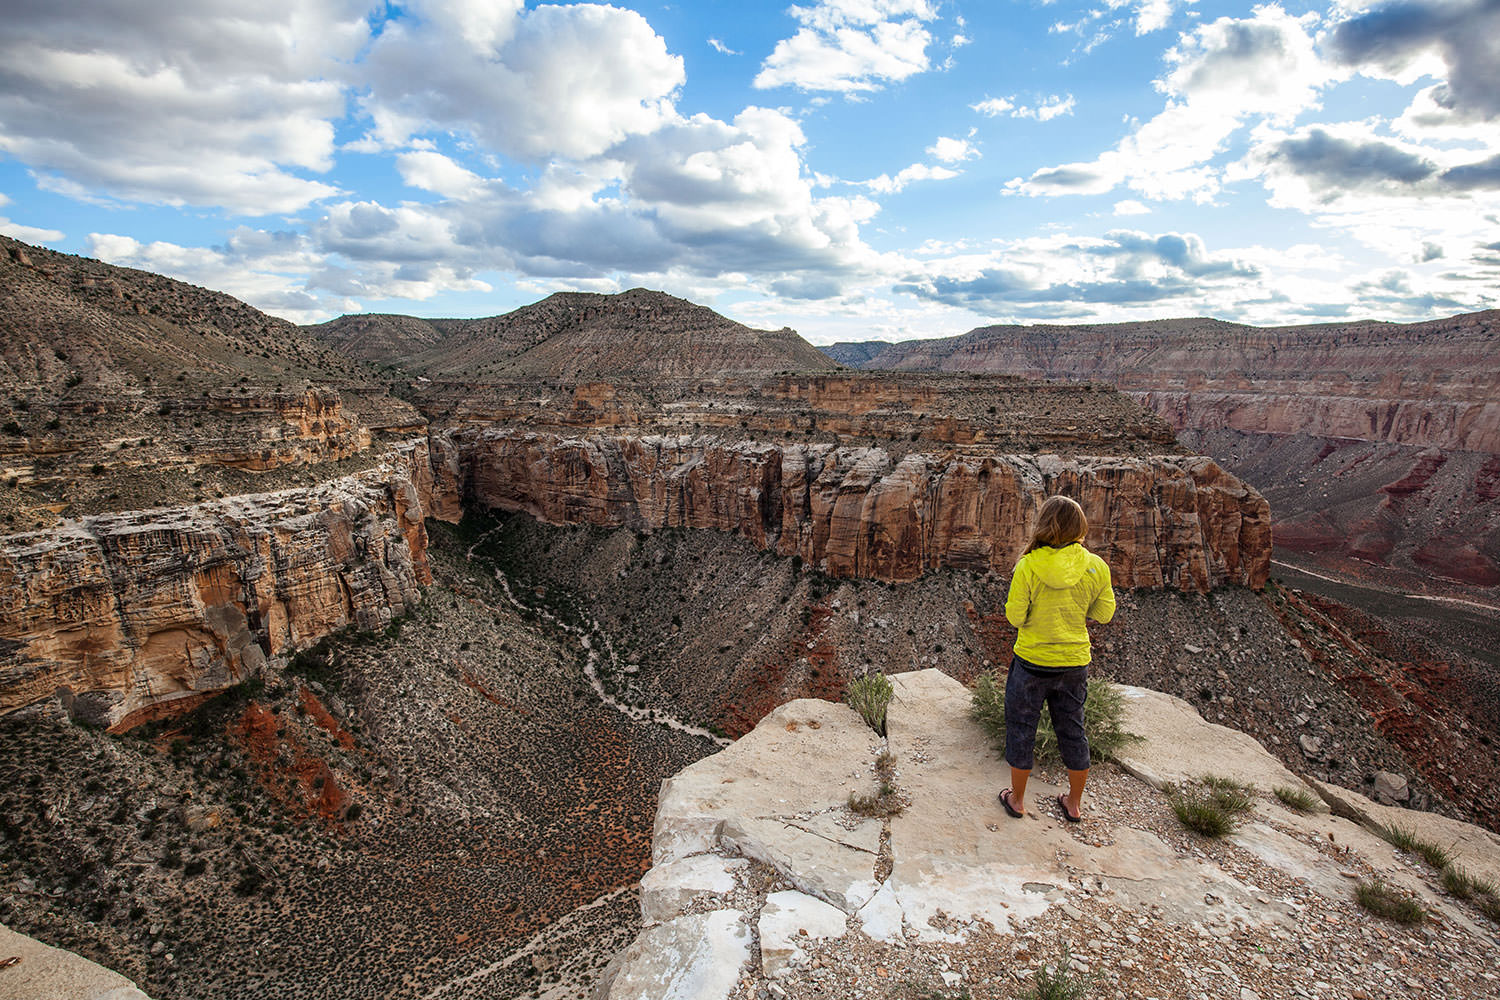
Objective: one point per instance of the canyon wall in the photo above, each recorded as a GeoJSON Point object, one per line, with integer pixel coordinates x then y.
{"type": "Point", "coordinates": [1168, 521]}
{"type": "Point", "coordinates": [1372, 441]}
{"type": "Point", "coordinates": [126, 617]}
{"type": "Point", "coordinates": [1453, 425]}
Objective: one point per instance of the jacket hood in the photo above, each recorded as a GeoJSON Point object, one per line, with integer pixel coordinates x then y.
{"type": "Point", "coordinates": [1060, 568]}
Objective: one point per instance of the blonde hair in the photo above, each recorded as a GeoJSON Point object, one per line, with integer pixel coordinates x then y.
{"type": "Point", "coordinates": [1061, 522]}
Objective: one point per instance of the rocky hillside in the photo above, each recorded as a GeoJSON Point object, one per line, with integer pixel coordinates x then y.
{"type": "Point", "coordinates": [577, 335]}
{"type": "Point", "coordinates": [381, 339]}
{"type": "Point", "coordinates": [76, 331]}
{"type": "Point", "coordinates": [1344, 426]}
{"type": "Point", "coordinates": [768, 881]}
{"type": "Point", "coordinates": [121, 389]}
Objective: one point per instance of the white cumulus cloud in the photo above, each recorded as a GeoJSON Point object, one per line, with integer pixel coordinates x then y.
{"type": "Point", "coordinates": [951, 150]}
{"type": "Point", "coordinates": [850, 46]}
{"type": "Point", "coordinates": [1220, 76]}
{"type": "Point", "coordinates": [179, 104]}
{"type": "Point", "coordinates": [1047, 109]}
{"type": "Point", "coordinates": [554, 81]}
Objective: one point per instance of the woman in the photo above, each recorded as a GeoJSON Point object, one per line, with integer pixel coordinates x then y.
{"type": "Point", "coordinates": [1057, 586]}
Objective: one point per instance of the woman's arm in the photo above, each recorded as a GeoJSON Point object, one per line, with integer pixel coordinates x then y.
{"type": "Point", "coordinates": [1103, 607]}
{"type": "Point", "coordinates": [1018, 600]}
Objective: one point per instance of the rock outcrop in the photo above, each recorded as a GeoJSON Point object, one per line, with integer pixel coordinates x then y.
{"type": "Point", "coordinates": [1431, 383]}
{"type": "Point", "coordinates": [950, 887]}
{"type": "Point", "coordinates": [1169, 521]}
{"type": "Point", "coordinates": [125, 616]}
{"type": "Point", "coordinates": [43, 972]}
{"type": "Point", "coordinates": [1343, 426]}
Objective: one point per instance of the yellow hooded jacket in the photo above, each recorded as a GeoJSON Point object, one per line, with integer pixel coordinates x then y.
{"type": "Point", "coordinates": [1051, 593]}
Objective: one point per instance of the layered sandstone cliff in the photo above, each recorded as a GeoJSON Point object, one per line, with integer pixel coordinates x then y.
{"type": "Point", "coordinates": [1343, 426]}
{"type": "Point", "coordinates": [1168, 521]}
{"type": "Point", "coordinates": [126, 616]}
{"type": "Point", "coordinates": [1433, 383]}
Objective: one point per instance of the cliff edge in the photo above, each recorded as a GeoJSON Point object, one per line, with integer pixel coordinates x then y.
{"type": "Point", "coordinates": [765, 884]}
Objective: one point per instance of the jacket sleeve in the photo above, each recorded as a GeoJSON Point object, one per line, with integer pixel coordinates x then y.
{"type": "Point", "coordinates": [1103, 607]}
{"type": "Point", "coordinates": [1018, 600]}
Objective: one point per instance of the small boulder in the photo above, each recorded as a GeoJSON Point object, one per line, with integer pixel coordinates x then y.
{"type": "Point", "coordinates": [1391, 787]}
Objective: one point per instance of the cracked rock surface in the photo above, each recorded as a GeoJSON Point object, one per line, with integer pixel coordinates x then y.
{"type": "Point", "coordinates": [951, 894]}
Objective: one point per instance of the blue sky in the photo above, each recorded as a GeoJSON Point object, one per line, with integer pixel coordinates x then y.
{"type": "Point", "coordinates": [852, 168]}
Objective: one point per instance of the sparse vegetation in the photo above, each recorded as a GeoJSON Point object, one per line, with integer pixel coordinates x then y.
{"type": "Point", "coordinates": [1062, 982]}
{"type": "Point", "coordinates": [1384, 901]}
{"type": "Point", "coordinates": [1402, 839]}
{"type": "Point", "coordinates": [1212, 809]}
{"type": "Point", "coordinates": [1103, 718]}
{"type": "Point", "coordinates": [870, 696]}
{"type": "Point", "coordinates": [1461, 884]}
{"type": "Point", "coordinates": [1295, 799]}
{"type": "Point", "coordinates": [925, 992]}
{"type": "Point", "coordinates": [887, 799]}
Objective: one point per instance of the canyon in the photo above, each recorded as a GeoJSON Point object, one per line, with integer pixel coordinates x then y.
{"type": "Point", "coordinates": [412, 617]}
{"type": "Point", "coordinates": [1374, 442]}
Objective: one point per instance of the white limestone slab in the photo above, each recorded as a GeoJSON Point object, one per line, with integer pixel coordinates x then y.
{"type": "Point", "coordinates": [696, 957]}
{"type": "Point", "coordinates": [881, 918]}
{"type": "Point", "coordinates": [668, 890]}
{"type": "Point", "coordinates": [803, 758]}
{"type": "Point", "coordinates": [1180, 745]}
{"type": "Point", "coordinates": [788, 922]}
{"type": "Point", "coordinates": [45, 971]}
{"type": "Point", "coordinates": [840, 875]}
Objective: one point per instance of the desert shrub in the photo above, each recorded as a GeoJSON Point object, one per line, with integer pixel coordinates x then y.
{"type": "Point", "coordinates": [250, 882]}
{"type": "Point", "coordinates": [1212, 809]}
{"type": "Point", "coordinates": [1489, 906]}
{"type": "Point", "coordinates": [1295, 798]}
{"type": "Point", "coordinates": [1402, 839]}
{"type": "Point", "coordinates": [885, 802]}
{"type": "Point", "coordinates": [1383, 901]}
{"type": "Point", "coordinates": [1459, 883]}
{"type": "Point", "coordinates": [1062, 984]}
{"type": "Point", "coordinates": [1232, 796]}
{"type": "Point", "coordinates": [1103, 718]}
{"type": "Point", "coordinates": [870, 696]}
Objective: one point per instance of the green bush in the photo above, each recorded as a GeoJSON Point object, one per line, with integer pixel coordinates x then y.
{"type": "Point", "coordinates": [1462, 885]}
{"type": "Point", "coordinates": [1063, 984]}
{"type": "Point", "coordinates": [1435, 855]}
{"type": "Point", "coordinates": [1295, 799]}
{"type": "Point", "coordinates": [1213, 809]}
{"type": "Point", "coordinates": [1383, 901]}
{"type": "Point", "coordinates": [1103, 718]}
{"type": "Point", "coordinates": [870, 696]}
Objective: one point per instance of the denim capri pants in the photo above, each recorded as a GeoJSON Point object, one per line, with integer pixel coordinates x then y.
{"type": "Point", "coordinates": [1063, 690]}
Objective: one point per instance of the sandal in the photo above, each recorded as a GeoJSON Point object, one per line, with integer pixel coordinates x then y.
{"type": "Point", "coordinates": [1005, 794]}
{"type": "Point", "coordinates": [1062, 803]}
